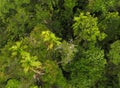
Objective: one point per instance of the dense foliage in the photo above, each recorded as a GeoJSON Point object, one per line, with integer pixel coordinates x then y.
{"type": "Point", "coordinates": [59, 43]}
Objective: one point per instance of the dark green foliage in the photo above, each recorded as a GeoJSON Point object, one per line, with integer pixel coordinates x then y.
{"type": "Point", "coordinates": [110, 24]}
{"type": "Point", "coordinates": [59, 44]}
{"type": "Point", "coordinates": [88, 68]}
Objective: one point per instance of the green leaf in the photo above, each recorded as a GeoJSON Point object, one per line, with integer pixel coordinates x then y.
{"type": "Point", "coordinates": [114, 53]}
{"type": "Point", "coordinates": [26, 69]}
{"type": "Point", "coordinates": [35, 64]}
